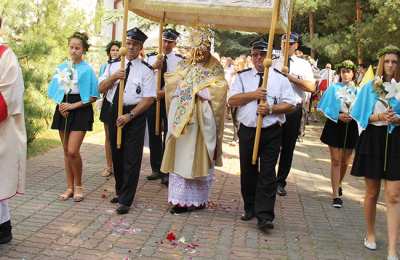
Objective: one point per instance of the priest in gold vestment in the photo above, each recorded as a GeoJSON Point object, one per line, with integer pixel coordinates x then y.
{"type": "Point", "coordinates": [195, 100]}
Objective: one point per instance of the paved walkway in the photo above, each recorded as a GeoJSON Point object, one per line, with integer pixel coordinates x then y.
{"type": "Point", "coordinates": [306, 226]}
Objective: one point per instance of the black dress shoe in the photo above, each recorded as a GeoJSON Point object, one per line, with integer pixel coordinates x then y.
{"type": "Point", "coordinates": [122, 210]}
{"type": "Point", "coordinates": [154, 176]}
{"type": "Point", "coordinates": [265, 224]}
{"type": "Point", "coordinates": [281, 190]}
{"type": "Point", "coordinates": [5, 232]}
{"type": "Point", "coordinates": [178, 209]}
{"type": "Point", "coordinates": [114, 200]}
{"type": "Point", "coordinates": [165, 179]}
{"type": "Point", "coordinates": [248, 215]}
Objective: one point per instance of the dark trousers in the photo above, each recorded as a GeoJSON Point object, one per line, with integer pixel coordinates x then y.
{"type": "Point", "coordinates": [290, 133]}
{"type": "Point", "coordinates": [258, 182]}
{"type": "Point", "coordinates": [128, 159]}
{"type": "Point", "coordinates": [156, 142]}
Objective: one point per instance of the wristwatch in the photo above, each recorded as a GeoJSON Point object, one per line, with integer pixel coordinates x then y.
{"type": "Point", "coordinates": [270, 110]}
{"type": "Point", "coordinates": [131, 115]}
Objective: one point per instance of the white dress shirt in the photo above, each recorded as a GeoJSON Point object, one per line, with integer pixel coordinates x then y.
{"type": "Point", "coordinates": [299, 68]}
{"type": "Point", "coordinates": [140, 83]}
{"type": "Point", "coordinates": [172, 60]}
{"type": "Point", "coordinates": [109, 70]}
{"type": "Point", "coordinates": [279, 90]}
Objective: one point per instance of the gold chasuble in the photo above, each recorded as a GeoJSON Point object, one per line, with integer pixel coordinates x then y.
{"type": "Point", "coordinates": [195, 123]}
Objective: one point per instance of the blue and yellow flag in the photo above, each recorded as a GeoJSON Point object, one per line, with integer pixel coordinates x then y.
{"type": "Point", "coordinates": [368, 76]}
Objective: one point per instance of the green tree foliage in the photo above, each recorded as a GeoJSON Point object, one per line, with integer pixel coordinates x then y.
{"type": "Point", "coordinates": [38, 31]}
{"type": "Point", "coordinates": [337, 32]}
{"type": "Point", "coordinates": [233, 43]}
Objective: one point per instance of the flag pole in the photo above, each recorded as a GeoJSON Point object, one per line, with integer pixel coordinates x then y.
{"type": "Point", "coordinates": [122, 51]}
{"type": "Point", "coordinates": [285, 68]}
{"type": "Point", "coordinates": [267, 65]}
{"type": "Point", "coordinates": [159, 74]}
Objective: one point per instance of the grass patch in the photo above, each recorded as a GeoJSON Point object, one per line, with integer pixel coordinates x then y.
{"type": "Point", "coordinates": [50, 139]}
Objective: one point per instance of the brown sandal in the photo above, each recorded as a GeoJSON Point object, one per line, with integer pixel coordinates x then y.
{"type": "Point", "coordinates": [78, 194]}
{"type": "Point", "coordinates": [67, 194]}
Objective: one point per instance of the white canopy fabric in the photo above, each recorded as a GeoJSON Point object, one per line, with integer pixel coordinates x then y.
{"type": "Point", "coordinates": [243, 15]}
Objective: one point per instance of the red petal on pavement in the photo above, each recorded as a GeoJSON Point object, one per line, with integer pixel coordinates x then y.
{"type": "Point", "coordinates": [171, 236]}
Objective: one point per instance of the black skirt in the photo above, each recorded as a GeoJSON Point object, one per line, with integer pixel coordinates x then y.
{"type": "Point", "coordinates": [334, 134]}
{"type": "Point", "coordinates": [80, 119]}
{"type": "Point", "coordinates": [369, 158]}
{"type": "Point", "coordinates": [105, 111]}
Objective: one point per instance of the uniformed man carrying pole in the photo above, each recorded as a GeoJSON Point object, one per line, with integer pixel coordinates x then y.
{"type": "Point", "coordinates": [139, 93]}
{"type": "Point", "coordinates": [167, 63]}
{"type": "Point", "coordinates": [258, 182]}
{"type": "Point", "coordinates": [302, 80]}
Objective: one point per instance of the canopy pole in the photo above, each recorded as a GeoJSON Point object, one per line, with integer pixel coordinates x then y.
{"type": "Point", "coordinates": [285, 68]}
{"type": "Point", "coordinates": [159, 74]}
{"type": "Point", "coordinates": [267, 65]}
{"type": "Point", "coordinates": [122, 51]}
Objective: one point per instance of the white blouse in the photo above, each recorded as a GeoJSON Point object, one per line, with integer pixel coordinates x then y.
{"type": "Point", "coordinates": [379, 108]}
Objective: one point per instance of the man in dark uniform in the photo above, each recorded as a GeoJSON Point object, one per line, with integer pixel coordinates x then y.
{"type": "Point", "coordinates": [139, 94]}
{"type": "Point", "coordinates": [302, 80]}
{"type": "Point", "coordinates": [168, 63]}
{"type": "Point", "coordinates": [258, 182]}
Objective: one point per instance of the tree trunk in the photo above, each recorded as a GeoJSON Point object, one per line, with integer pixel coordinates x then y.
{"type": "Point", "coordinates": [358, 22]}
{"type": "Point", "coordinates": [312, 30]}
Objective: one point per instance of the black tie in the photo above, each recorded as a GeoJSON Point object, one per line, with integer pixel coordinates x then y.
{"type": "Point", "coordinates": [116, 94]}
{"type": "Point", "coordinates": [261, 75]}
{"type": "Point", "coordinates": [163, 70]}
{"type": "Point", "coordinates": [260, 82]}
{"type": "Point", "coordinates": [128, 69]}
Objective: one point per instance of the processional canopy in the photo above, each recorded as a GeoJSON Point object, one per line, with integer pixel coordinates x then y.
{"type": "Point", "coordinates": [243, 15]}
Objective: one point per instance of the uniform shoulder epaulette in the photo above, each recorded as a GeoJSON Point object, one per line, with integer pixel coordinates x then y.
{"type": "Point", "coordinates": [114, 61]}
{"type": "Point", "coordinates": [151, 54]}
{"type": "Point", "coordinates": [180, 56]}
{"type": "Point", "coordinates": [147, 65]}
{"type": "Point", "coordinates": [243, 70]}
{"type": "Point", "coordinates": [280, 72]}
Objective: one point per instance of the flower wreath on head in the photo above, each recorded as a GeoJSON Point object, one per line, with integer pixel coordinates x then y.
{"type": "Point", "coordinates": [389, 49]}
{"type": "Point", "coordinates": [347, 64]}
{"type": "Point", "coordinates": [387, 90]}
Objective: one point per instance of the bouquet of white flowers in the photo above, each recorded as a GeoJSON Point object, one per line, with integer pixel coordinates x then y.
{"type": "Point", "coordinates": [347, 95]}
{"type": "Point", "coordinates": [67, 79]}
{"type": "Point", "coordinates": [386, 91]}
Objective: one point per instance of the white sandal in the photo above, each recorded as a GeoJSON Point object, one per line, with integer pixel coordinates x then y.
{"type": "Point", "coordinates": [369, 245]}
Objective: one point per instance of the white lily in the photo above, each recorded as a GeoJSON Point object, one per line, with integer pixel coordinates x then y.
{"type": "Point", "coordinates": [347, 95]}
{"type": "Point", "coordinates": [393, 90]}
{"type": "Point", "coordinates": [67, 78]}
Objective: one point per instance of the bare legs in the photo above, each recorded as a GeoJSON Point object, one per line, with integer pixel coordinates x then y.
{"type": "Point", "coordinates": [339, 162]}
{"type": "Point", "coordinates": [107, 149]}
{"type": "Point", "coordinates": [370, 200]}
{"type": "Point", "coordinates": [392, 198]}
{"type": "Point", "coordinates": [72, 160]}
